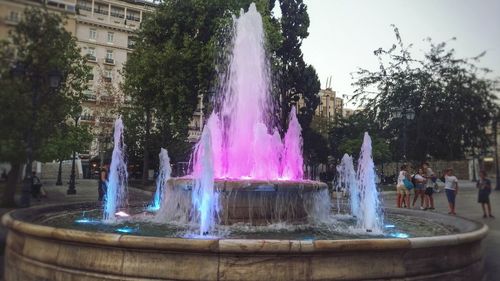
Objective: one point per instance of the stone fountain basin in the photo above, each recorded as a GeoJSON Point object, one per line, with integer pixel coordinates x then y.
{"type": "Point", "coordinates": [254, 201]}
{"type": "Point", "coordinates": [37, 252]}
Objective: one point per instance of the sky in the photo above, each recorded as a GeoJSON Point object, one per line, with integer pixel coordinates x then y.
{"type": "Point", "coordinates": [344, 33]}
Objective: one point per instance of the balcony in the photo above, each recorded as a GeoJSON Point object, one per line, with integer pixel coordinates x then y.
{"type": "Point", "coordinates": [109, 61]}
{"type": "Point", "coordinates": [117, 15]}
{"type": "Point", "coordinates": [106, 99]}
{"type": "Point", "coordinates": [102, 11]}
{"type": "Point", "coordinates": [91, 58]}
{"type": "Point", "coordinates": [87, 117]}
{"type": "Point", "coordinates": [133, 17]}
{"type": "Point", "coordinates": [107, 79]}
{"type": "Point", "coordinates": [90, 97]}
{"type": "Point", "coordinates": [81, 7]}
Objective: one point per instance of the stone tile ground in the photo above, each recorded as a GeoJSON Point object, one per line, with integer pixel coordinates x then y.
{"type": "Point", "coordinates": [466, 207]}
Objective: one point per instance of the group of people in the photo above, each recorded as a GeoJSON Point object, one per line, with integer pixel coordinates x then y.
{"type": "Point", "coordinates": [424, 183]}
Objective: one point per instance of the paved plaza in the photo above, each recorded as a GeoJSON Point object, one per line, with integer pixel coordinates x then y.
{"type": "Point", "coordinates": [466, 207]}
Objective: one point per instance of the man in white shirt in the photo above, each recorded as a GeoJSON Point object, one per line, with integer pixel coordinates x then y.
{"type": "Point", "coordinates": [451, 189]}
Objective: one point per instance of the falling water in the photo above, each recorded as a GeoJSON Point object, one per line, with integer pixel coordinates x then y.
{"type": "Point", "coordinates": [163, 176]}
{"type": "Point", "coordinates": [245, 143]}
{"type": "Point", "coordinates": [347, 180]}
{"type": "Point", "coordinates": [205, 198]}
{"type": "Point", "coordinates": [369, 213]}
{"type": "Point", "coordinates": [117, 182]}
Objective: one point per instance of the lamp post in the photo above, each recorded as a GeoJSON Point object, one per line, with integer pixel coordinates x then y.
{"type": "Point", "coordinates": [406, 114]}
{"type": "Point", "coordinates": [72, 188]}
{"type": "Point", "coordinates": [497, 169]}
{"type": "Point", "coordinates": [54, 79]}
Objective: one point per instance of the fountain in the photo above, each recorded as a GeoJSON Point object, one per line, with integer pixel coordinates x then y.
{"type": "Point", "coordinates": [245, 212]}
{"type": "Point", "coordinates": [164, 172]}
{"type": "Point", "coordinates": [116, 194]}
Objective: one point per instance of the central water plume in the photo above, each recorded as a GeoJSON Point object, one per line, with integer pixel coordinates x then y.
{"type": "Point", "coordinates": [117, 183]}
{"type": "Point", "coordinates": [369, 213]}
{"type": "Point", "coordinates": [245, 142]}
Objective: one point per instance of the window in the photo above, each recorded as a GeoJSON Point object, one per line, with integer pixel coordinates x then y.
{"type": "Point", "coordinates": [91, 54]}
{"type": "Point", "coordinates": [109, 56]}
{"type": "Point", "coordinates": [108, 75]}
{"type": "Point", "coordinates": [131, 42]}
{"type": "Point", "coordinates": [111, 37]}
{"type": "Point", "coordinates": [14, 16]}
{"type": "Point", "coordinates": [92, 34]}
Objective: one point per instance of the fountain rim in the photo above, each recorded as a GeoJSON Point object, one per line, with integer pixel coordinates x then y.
{"type": "Point", "coordinates": [262, 246]}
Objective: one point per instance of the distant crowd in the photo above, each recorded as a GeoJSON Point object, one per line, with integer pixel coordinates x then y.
{"type": "Point", "coordinates": [424, 183]}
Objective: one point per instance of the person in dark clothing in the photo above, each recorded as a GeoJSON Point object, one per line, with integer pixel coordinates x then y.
{"type": "Point", "coordinates": [483, 196]}
{"type": "Point", "coordinates": [36, 186]}
{"type": "Point", "coordinates": [103, 181]}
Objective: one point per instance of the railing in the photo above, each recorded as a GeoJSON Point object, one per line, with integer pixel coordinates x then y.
{"type": "Point", "coordinates": [133, 17]}
{"type": "Point", "coordinates": [91, 57]}
{"type": "Point", "coordinates": [90, 97]}
{"type": "Point", "coordinates": [107, 79]}
{"type": "Point", "coordinates": [117, 15]}
{"type": "Point", "coordinates": [110, 61]}
{"type": "Point", "coordinates": [101, 11]}
{"type": "Point", "coordinates": [87, 118]}
{"type": "Point", "coordinates": [85, 8]}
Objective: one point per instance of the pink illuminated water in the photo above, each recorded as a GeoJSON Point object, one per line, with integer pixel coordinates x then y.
{"type": "Point", "coordinates": [245, 143]}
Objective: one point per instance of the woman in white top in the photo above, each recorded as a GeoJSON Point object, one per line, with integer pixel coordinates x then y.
{"type": "Point", "coordinates": [451, 189]}
{"type": "Point", "coordinates": [403, 192]}
{"type": "Point", "coordinates": [419, 182]}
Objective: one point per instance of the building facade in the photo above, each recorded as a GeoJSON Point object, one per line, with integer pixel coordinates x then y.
{"type": "Point", "coordinates": [105, 30]}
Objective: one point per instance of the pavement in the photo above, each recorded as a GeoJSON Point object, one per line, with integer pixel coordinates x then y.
{"type": "Point", "coordinates": [466, 206]}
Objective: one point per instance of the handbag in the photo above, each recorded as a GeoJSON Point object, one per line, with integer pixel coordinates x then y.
{"type": "Point", "coordinates": [408, 184]}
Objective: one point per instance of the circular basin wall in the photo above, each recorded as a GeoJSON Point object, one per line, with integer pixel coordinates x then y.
{"type": "Point", "coordinates": [37, 252]}
{"type": "Point", "coordinates": [258, 202]}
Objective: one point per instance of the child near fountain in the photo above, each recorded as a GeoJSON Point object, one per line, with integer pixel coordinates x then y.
{"type": "Point", "coordinates": [484, 190]}
{"type": "Point", "coordinates": [451, 189]}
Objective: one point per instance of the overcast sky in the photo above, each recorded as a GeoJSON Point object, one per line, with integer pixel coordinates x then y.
{"type": "Point", "coordinates": [344, 33]}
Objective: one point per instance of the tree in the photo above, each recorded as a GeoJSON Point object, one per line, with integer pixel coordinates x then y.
{"type": "Point", "coordinates": [296, 79]}
{"type": "Point", "coordinates": [346, 136]}
{"type": "Point", "coordinates": [452, 99]}
{"type": "Point", "coordinates": [31, 108]}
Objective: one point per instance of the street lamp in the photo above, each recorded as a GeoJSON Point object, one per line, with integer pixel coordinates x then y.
{"type": "Point", "coordinates": [406, 114]}
{"type": "Point", "coordinates": [497, 170]}
{"type": "Point", "coordinates": [18, 70]}
{"type": "Point", "coordinates": [72, 188]}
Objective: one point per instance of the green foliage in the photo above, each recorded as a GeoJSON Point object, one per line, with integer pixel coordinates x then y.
{"type": "Point", "coordinates": [66, 139]}
{"type": "Point", "coordinates": [346, 136]}
{"type": "Point", "coordinates": [296, 79]}
{"type": "Point", "coordinates": [453, 100]}
{"type": "Point", "coordinates": [31, 110]}
{"type": "Point", "coordinates": [41, 45]}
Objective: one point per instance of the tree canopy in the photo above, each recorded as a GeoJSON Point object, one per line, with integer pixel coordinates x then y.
{"type": "Point", "coordinates": [452, 98]}
{"type": "Point", "coordinates": [37, 47]}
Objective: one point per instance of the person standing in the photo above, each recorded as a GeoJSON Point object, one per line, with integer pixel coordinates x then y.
{"type": "Point", "coordinates": [451, 189]}
{"type": "Point", "coordinates": [103, 181]}
{"type": "Point", "coordinates": [483, 196]}
{"type": "Point", "coordinates": [419, 182]}
{"type": "Point", "coordinates": [403, 192]}
{"type": "Point", "coordinates": [429, 186]}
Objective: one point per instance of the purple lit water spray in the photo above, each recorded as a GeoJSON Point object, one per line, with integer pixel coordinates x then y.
{"type": "Point", "coordinates": [245, 143]}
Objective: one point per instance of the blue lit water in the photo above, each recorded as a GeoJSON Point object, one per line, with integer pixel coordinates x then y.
{"type": "Point", "coordinates": [340, 227]}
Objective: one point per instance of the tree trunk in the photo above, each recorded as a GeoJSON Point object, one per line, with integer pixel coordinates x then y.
{"type": "Point", "coordinates": [10, 190]}
{"type": "Point", "coordinates": [145, 162]}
